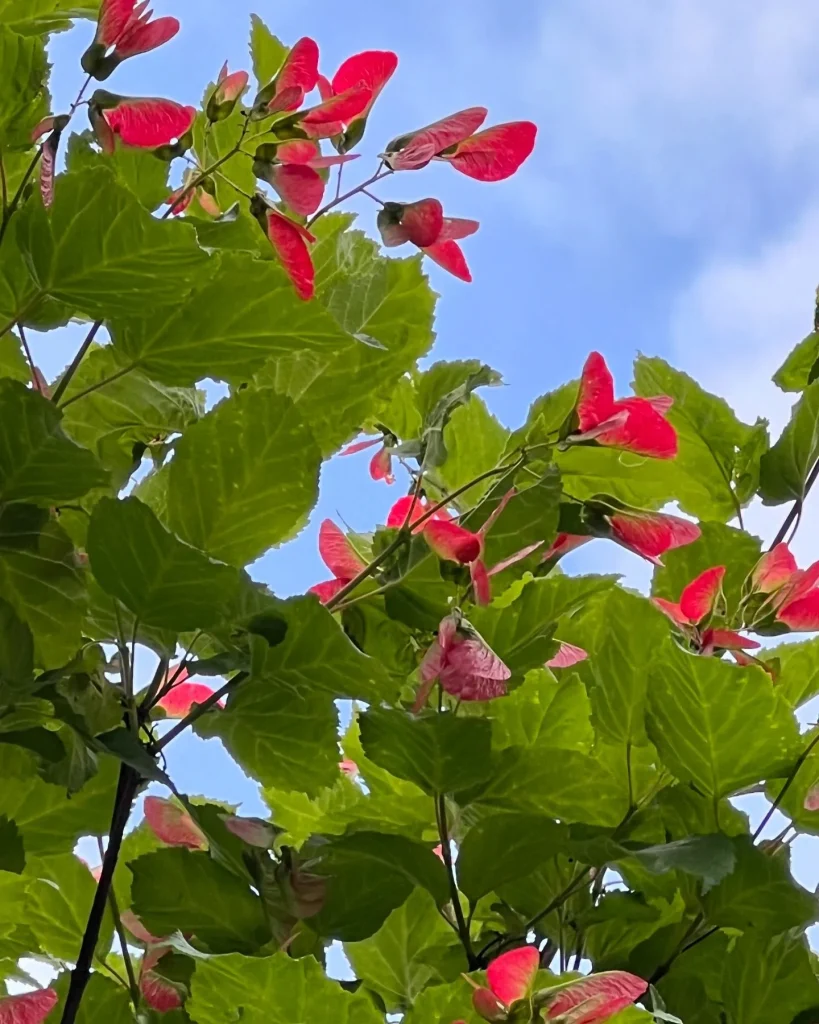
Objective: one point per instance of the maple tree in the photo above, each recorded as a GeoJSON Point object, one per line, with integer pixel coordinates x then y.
{"type": "Point", "coordinates": [529, 817]}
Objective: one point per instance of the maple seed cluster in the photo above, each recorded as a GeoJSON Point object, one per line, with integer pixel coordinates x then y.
{"type": "Point", "coordinates": [288, 131]}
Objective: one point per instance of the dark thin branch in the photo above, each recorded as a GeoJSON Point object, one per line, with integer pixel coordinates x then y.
{"type": "Point", "coordinates": [32, 368]}
{"type": "Point", "coordinates": [198, 711]}
{"type": "Point", "coordinates": [796, 510]}
{"type": "Point", "coordinates": [379, 174]}
{"type": "Point", "coordinates": [126, 791]}
{"type": "Point", "coordinates": [65, 380]}
{"type": "Point", "coordinates": [446, 853]}
{"type": "Point", "coordinates": [18, 195]}
{"type": "Point", "coordinates": [787, 784]}
{"type": "Point", "coordinates": [96, 387]}
{"type": "Point", "coordinates": [123, 940]}
{"type": "Point", "coordinates": [4, 186]}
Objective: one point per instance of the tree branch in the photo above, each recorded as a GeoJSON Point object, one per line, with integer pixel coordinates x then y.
{"type": "Point", "coordinates": [379, 174]}
{"type": "Point", "coordinates": [446, 853]}
{"type": "Point", "coordinates": [796, 509]}
{"type": "Point", "coordinates": [123, 940]}
{"type": "Point", "coordinates": [96, 387]}
{"type": "Point", "coordinates": [198, 711]}
{"type": "Point", "coordinates": [65, 380]}
{"type": "Point", "coordinates": [126, 791]}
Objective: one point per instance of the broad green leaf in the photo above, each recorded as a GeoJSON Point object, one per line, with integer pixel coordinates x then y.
{"type": "Point", "coordinates": [16, 646]}
{"type": "Point", "coordinates": [36, 17]}
{"type": "Point", "coordinates": [709, 434]}
{"type": "Point", "coordinates": [24, 98]}
{"type": "Point", "coordinates": [214, 142]}
{"type": "Point", "coordinates": [799, 369]}
{"type": "Point", "coordinates": [12, 850]}
{"type": "Point", "coordinates": [399, 411]}
{"type": "Point", "coordinates": [266, 51]}
{"type": "Point", "coordinates": [242, 312]}
{"type": "Point", "coordinates": [282, 737]}
{"type": "Point", "coordinates": [38, 463]}
{"type": "Point", "coordinates": [784, 470]}
{"type": "Point", "coordinates": [21, 300]}
{"type": "Point", "coordinates": [759, 894]}
{"type": "Point", "coordinates": [504, 847]}
{"type": "Point", "coordinates": [621, 632]}
{"type": "Point", "coordinates": [369, 874]}
{"type": "Point", "coordinates": [544, 710]}
{"type": "Point", "coordinates": [748, 465]}
{"type": "Point", "coordinates": [439, 753]}
{"type": "Point", "coordinates": [717, 725]}
{"type": "Point", "coordinates": [645, 483]}
{"type": "Point", "coordinates": [316, 654]}
{"type": "Point", "coordinates": [273, 990]}
{"type": "Point", "coordinates": [137, 169]}
{"type": "Point", "coordinates": [442, 390]}
{"type": "Point", "coordinates": [451, 1002]}
{"type": "Point", "coordinates": [547, 415]}
{"type": "Point", "coordinates": [117, 421]}
{"type": "Point", "coordinates": [58, 904]}
{"type": "Point", "coordinates": [101, 250]}
{"type": "Point", "coordinates": [12, 361]}
{"type": "Point", "coordinates": [769, 981]}
{"type": "Point", "coordinates": [261, 480]}
{"type": "Point", "coordinates": [180, 890]}
{"type": "Point", "coordinates": [48, 822]}
{"type": "Point", "coordinates": [719, 545]}
{"type": "Point", "coordinates": [611, 943]}
{"type": "Point", "coordinates": [565, 784]}
{"type": "Point", "coordinates": [521, 628]}
{"type": "Point", "coordinates": [400, 960]}
{"type": "Point", "coordinates": [105, 615]}
{"type": "Point", "coordinates": [40, 580]}
{"type": "Point", "coordinates": [797, 666]}
{"type": "Point", "coordinates": [474, 441]}
{"type": "Point", "coordinates": [103, 1000]}
{"type": "Point", "coordinates": [791, 794]}
{"type": "Point", "coordinates": [337, 389]}
{"type": "Point", "coordinates": [709, 857]}
{"type": "Point", "coordinates": [160, 578]}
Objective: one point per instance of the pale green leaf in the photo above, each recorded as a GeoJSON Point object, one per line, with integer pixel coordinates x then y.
{"type": "Point", "coordinates": [24, 98]}
{"type": "Point", "coordinates": [12, 361]}
{"type": "Point", "coordinates": [137, 169]}
{"type": "Point", "coordinates": [266, 50]}
{"type": "Point", "coordinates": [799, 369]}
{"type": "Point", "coordinates": [786, 467]}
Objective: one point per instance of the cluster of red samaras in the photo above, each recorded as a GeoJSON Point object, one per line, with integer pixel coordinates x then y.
{"type": "Point", "coordinates": [296, 167]}
{"type": "Point", "coordinates": [511, 986]}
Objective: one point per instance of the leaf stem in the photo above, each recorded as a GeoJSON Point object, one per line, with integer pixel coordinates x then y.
{"type": "Point", "coordinates": [446, 853]}
{"type": "Point", "coordinates": [126, 791]}
{"type": "Point", "coordinates": [795, 513]}
{"type": "Point", "coordinates": [123, 940]}
{"type": "Point", "coordinates": [65, 380]}
{"type": "Point", "coordinates": [787, 784]}
{"type": "Point", "coordinates": [96, 387]}
{"type": "Point", "coordinates": [197, 181]}
{"type": "Point", "coordinates": [379, 174]}
{"type": "Point", "coordinates": [18, 195]}
{"type": "Point", "coordinates": [198, 711]}
{"type": "Point", "coordinates": [4, 186]}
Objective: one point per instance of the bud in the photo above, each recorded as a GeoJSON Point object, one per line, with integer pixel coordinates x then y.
{"type": "Point", "coordinates": [226, 95]}
{"type": "Point", "coordinates": [488, 1006]}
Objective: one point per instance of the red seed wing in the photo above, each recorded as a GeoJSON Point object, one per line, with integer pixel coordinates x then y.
{"type": "Point", "coordinates": [113, 19]}
{"type": "Point", "coordinates": [179, 701]}
{"type": "Point", "coordinates": [337, 552]}
{"type": "Point", "coordinates": [774, 569]}
{"type": "Point", "coordinates": [595, 402]}
{"type": "Point", "coordinates": [288, 239]}
{"type": "Point", "coordinates": [300, 68]}
{"type": "Point", "coordinates": [455, 228]}
{"type": "Point", "coordinates": [30, 1008]}
{"type": "Point", "coordinates": [512, 975]}
{"type": "Point", "coordinates": [606, 994]}
{"type": "Point", "coordinates": [423, 221]}
{"type": "Point", "coordinates": [327, 591]}
{"type": "Point", "coordinates": [449, 255]}
{"type": "Point", "coordinates": [300, 187]}
{"type": "Point", "coordinates": [699, 597]}
{"type": "Point", "coordinates": [172, 824]}
{"type": "Point", "coordinates": [495, 154]}
{"type": "Point", "coordinates": [142, 37]}
{"type": "Point", "coordinates": [567, 655]}
{"type": "Point", "coordinates": [322, 121]}
{"type": "Point", "coordinates": [452, 542]}
{"type": "Point", "coordinates": [149, 123]}
{"type": "Point", "coordinates": [428, 142]}
{"type": "Point", "coordinates": [373, 68]}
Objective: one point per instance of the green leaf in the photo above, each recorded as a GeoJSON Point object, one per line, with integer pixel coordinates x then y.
{"type": "Point", "coordinates": [24, 98]}
{"type": "Point", "coordinates": [38, 463]}
{"type": "Point", "coordinates": [645, 483]}
{"type": "Point", "coordinates": [48, 823]}
{"type": "Point", "coordinates": [338, 388]}
{"type": "Point", "coordinates": [474, 441]}
{"type": "Point", "coordinates": [273, 990]}
{"type": "Point", "coordinates": [717, 725]}
{"type": "Point", "coordinates": [284, 738]}
{"type": "Point", "coordinates": [261, 480]}
{"type": "Point", "coordinates": [798, 670]}
{"type": "Point", "coordinates": [520, 625]}
{"type": "Point", "coordinates": [439, 753]}
{"type": "Point", "coordinates": [504, 847]}
{"type": "Point", "coordinates": [439, 396]}
{"type": "Point", "coordinates": [749, 462]}
{"type": "Point", "coordinates": [445, 1003]}
{"type": "Point", "coordinates": [760, 894]}
{"type": "Point", "coordinates": [180, 890]}
{"type": "Point", "coordinates": [400, 960]}
{"type": "Point", "coordinates": [138, 170]}
{"type": "Point", "coordinates": [719, 545]}
{"type": "Point", "coordinates": [58, 903]}
{"type": "Point", "coordinates": [796, 373]}
{"type": "Point", "coordinates": [316, 654]}
{"type": "Point", "coordinates": [16, 646]}
{"type": "Point", "coordinates": [100, 250]}
{"type": "Point", "coordinates": [105, 615]}
{"type": "Point", "coordinates": [709, 434]}
{"type": "Point", "coordinates": [36, 17]}
{"type": "Point", "coordinates": [103, 1000]}
{"type": "Point", "coordinates": [242, 313]}
{"type": "Point", "coordinates": [266, 50]}
{"type": "Point", "coordinates": [621, 632]}
{"type": "Point", "coordinates": [544, 710]}
{"type": "Point", "coordinates": [791, 800]}
{"type": "Point", "coordinates": [117, 421]}
{"type": "Point", "coordinates": [161, 579]}
{"type": "Point", "coordinates": [785, 468]}
{"type": "Point", "coordinates": [12, 361]}
{"type": "Point", "coordinates": [769, 981]}
{"type": "Point", "coordinates": [710, 858]}
{"type": "Point", "coordinates": [369, 874]}
{"type": "Point", "coordinates": [12, 849]}
{"type": "Point", "coordinates": [39, 579]}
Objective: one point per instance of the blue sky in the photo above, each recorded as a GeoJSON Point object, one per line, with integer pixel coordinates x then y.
{"type": "Point", "coordinates": [671, 206]}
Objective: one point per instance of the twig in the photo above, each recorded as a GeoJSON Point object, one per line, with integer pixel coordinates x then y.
{"type": "Point", "coordinates": [446, 853]}
{"type": "Point", "coordinates": [126, 791]}
{"type": "Point", "coordinates": [369, 195]}
{"type": "Point", "coordinates": [35, 382]}
{"type": "Point", "coordinates": [65, 380]}
{"type": "Point", "coordinates": [4, 187]}
{"type": "Point", "coordinates": [198, 711]}
{"type": "Point", "coordinates": [18, 195]}
{"type": "Point", "coordinates": [787, 784]}
{"type": "Point", "coordinates": [796, 510]}
{"type": "Point", "coordinates": [379, 174]}
{"type": "Point", "coordinates": [123, 940]}
{"type": "Point", "coordinates": [96, 387]}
